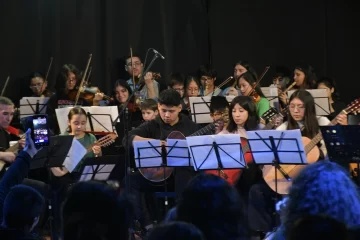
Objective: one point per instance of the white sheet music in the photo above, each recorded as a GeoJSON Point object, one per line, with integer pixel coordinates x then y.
{"type": "Point", "coordinates": [291, 142]}
{"type": "Point", "coordinates": [28, 105]}
{"type": "Point", "coordinates": [179, 155]}
{"type": "Point", "coordinates": [200, 111]}
{"type": "Point", "coordinates": [105, 120]}
{"type": "Point", "coordinates": [322, 105]}
{"type": "Point", "coordinates": [146, 155]}
{"type": "Point", "coordinates": [103, 172]}
{"type": "Point", "coordinates": [204, 156]}
{"type": "Point", "coordinates": [76, 153]}
{"type": "Point", "coordinates": [271, 93]}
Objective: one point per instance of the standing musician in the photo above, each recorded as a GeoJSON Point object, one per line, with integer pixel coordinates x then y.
{"type": "Point", "coordinates": [135, 68]}
{"type": "Point", "coordinates": [38, 85]}
{"type": "Point", "coordinates": [302, 116]}
{"type": "Point", "coordinates": [207, 77]}
{"type": "Point", "coordinates": [169, 119]}
{"type": "Point", "coordinates": [245, 84]}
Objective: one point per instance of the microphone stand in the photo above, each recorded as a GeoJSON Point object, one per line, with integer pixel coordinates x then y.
{"type": "Point", "coordinates": [125, 117]}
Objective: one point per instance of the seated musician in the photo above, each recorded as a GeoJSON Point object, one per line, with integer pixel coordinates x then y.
{"type": "Point", "coordinates": [67, 83]}
{"type": "Point", "coordinates": [207, 77]}
{"type": "Point", "coordinates": [219, 109]}
{"type": "Point", "coordinates": [149, 109]}
{"type": "Point", "coordinates": [281, 80]}
{"type": "Point", "coordinates": [135, 68]}
{"type": "Point", "coordinates": [302, 116]}
{"type": "Point", "coordinates": [193, 89]}
{"type": "Point", "coordinates": [38, 85]}
{"type": "Point", "coordinates": [169, 120]}
{"type": "Point", "coordinates": [245, 84]}
{"type": "Point", "coordinates": [177, 82]}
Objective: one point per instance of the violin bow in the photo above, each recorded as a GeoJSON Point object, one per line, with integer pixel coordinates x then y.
{"type": "Point", "coordinates": [260, 78]}
{"type": "Point", "coordinates": [131, 62]}
{"type": "Point", "coordinates": [47, 73]}
{"type": "Point", "coordinates": [5, 85]}
{"type": "Point", "coordinates": [83, 80]}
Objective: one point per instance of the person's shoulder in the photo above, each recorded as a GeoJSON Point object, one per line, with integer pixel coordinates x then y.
{"type": "Point", "coordinates": [323, 121]}
{"type": "Point", "coordinates": [264, 100]}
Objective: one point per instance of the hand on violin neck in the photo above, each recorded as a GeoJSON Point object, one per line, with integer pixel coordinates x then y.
{"type": "Point", "coordinates": [98, 96]}
{"type": "Point", "coordinates": [148, 79]}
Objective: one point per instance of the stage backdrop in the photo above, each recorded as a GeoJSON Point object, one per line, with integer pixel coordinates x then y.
{"type": "Point", "coordinates": [187, 32]}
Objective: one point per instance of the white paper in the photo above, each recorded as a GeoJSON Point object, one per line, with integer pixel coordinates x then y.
{"type": "Point", "coordinates": [103, 172]}
{"type": "Point", "coordinates": [271, 93]}
{"type": "Point", "coordinates": [28, 106]}
{"type": "Point", "coordinates": [146, 155]}
{"type": "Point", "coordinates": [199, 107]}
{"type": "Point", "coordinates": [105, 120]}
{"type": "Point", "coordinates": [322, 106]}
{"type": "Point", "coordinates": [203, 154]}
{"type": "Point", "coordinates": [76, 153]}
{"type": "Point", "coordinates": [262, 152]}
{"type": "Point", "coordinates": [179, 155]}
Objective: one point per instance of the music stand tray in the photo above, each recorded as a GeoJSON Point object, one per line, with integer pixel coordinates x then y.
{"type": "Point", "coordinates": [99, 168]}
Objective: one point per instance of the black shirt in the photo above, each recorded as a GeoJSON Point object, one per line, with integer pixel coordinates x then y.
{"type": "Point", "coordinates": [4, 139]}
{"type": "Point", "coordinates": [338, 106]}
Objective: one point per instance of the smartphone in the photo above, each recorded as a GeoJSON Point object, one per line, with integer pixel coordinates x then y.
{"type": "Point", "coordinates": [40, 130]}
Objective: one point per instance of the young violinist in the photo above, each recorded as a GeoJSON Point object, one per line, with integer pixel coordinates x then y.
{"type": "Point", "coordinates": [38, 85]}
{"type": "Point", "coordinates": [240, 68]}
{"type": "Point", "coordinates": [207, 77]}
{"type": "Point", "coordinates": [245, 84]}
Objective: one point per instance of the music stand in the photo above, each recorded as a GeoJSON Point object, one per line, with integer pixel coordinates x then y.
{"type": "Point", "coordinates": [200, 108]}
{"type": "Point", "coordinates": [275, 147]}
{"type": "Point", "coordinates": [98, 168]}
{"type": "Point", "coordinates": [271, 93]}
{"type": "Point", "coordinates": [216, 152]}
{"type": "Point", "coordinates": [150, 154]}
{"type": "Point", "coordinates": [343, 145]}
{"type": "Point", "coordinates": [322, 104]}
{"type": "Point", "coordinates": [33, 105]}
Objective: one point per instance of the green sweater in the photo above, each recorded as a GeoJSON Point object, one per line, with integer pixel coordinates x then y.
{"type": "Point", "coordinates": [262, 106]}
{"type": "Point", "coordinates": [86, 141]}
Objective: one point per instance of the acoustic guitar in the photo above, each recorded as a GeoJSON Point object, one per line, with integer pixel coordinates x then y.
{"type": "Point", "coordinates": [287, 172]}
{"type": "Point", "coordinates": [14, 149]}
{"type": "Point", "coordinates": [102, 142]}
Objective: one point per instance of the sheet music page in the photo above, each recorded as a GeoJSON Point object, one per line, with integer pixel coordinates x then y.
{"type": "Point", "coordinates": [322, 105]}
{"type": "Point", "coordinates": [230, 150]}
{"type": "Point", "coordinates": [107, 115]}
{"type": "Point", "coordinates": [290, 149]}
{"type": "Point", "coordinates": [76, 153]}
{"type": "Point", "coordinates": [199, 148]}
{"type": "Point", "coordinates": [28, 105]}
{"type": "Point", "coordinates": [179, 155]}
{"type": "Point", "coordinates": [103, 172]}
{"type": "Point", "coordinates": [146, 155]}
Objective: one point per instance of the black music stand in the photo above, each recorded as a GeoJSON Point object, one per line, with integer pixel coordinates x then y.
{"type": "Point", "coordinates": [275, 147]}
{"type": "Point", "coordinates": [216, 152]}
{"type": "Point", "coordinates": [98, 168]}
{"type": "Point", "coordinates": [92, 116]}
{"type": "Point", "coordinates": [33, 105]}
{"type": "Point", "coordinates": [343, 145]}
{"type": "Point", "coordinates": [52, 156]}
{"type": "Point", "coordinates": [150, 154]}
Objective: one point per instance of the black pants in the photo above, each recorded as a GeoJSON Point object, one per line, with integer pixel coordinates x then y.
{"type": "Point", "coordinates": [139, 187]}
{"type": "Point", "coordinates": [261, 207]}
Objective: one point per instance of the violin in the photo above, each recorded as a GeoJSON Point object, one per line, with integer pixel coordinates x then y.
{"type": "Point", "coordinates": [88, 93]}
{"type": "Point", "coordinates": [253, 94]}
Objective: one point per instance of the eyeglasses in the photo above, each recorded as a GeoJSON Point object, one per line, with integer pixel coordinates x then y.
{"type": "Point", "coordinates": [193, 90]}
{"type": "Point", "coordinates": [299, 107]}
{"type": "Point", "coordinates": [134, 64]}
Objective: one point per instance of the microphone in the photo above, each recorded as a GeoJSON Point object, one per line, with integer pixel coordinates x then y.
{"type": "Point", "coordinates": [157, 53]}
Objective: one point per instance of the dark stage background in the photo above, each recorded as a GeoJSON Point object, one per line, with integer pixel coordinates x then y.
{"type": "Point", "coordinates": [187, 32]}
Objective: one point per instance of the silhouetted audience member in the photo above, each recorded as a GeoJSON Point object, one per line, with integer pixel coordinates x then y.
{"type": "Point", "coordinates": [93, 211]}
{"type": "Point", "coordinates": [176, 231]}
{"type": "Point", "coordinates": [213, 206]}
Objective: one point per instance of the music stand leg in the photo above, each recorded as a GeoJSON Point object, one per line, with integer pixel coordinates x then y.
{"type": "Point", "coordinates": [166, 203]}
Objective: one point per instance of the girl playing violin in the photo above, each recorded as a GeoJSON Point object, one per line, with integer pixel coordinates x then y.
{"type": "Point", "coordinates": [38, 85]}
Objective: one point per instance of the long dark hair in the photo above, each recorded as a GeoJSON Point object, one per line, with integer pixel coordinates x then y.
{"type": "Point", "coordinates": [247, 66]}
{"type": "Point", "coordinates": [247, 104]}
{"type": "Point", "coordinates": [124, 84]}
{"type": "Point", "coordinates": [250, 77]}
{"type": "Point", "coordinates": [311, 126]}
{"type": "Point", "coordinates": [72, 112]}
{"type": "Point", "coordinates": [330, 83]}
{"type": "Point", "coordinates": [61, 78]}
{"type": "Point", "coordinates": [310, 76]}
{"type": "Point", "coordinates": [190, 79]}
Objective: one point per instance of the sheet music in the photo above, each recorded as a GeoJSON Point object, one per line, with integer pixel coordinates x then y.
{"type": "Point", "coordinates": [28, 105]}
{"type": "Point", "coordinates": [103, 172]}
{"type": "Point", "coordinates": [105, 120]}
{"type": "Point", "coordinates": [291, 143]}
{"type": "Point", "coordinates": [203, 154]}
{"type": "Point", "coordinates": [146, 155]}
{"type": "Point", "coordinates": [322, 105]}
{"type": "Point", "coordinates": [271, 93]}
{"type": "Point", "coordinates": [200, 111]}
{"type": "Point", "coordinates": [179, 155]}
{"type": "Point", "coordinates": [76, 153]}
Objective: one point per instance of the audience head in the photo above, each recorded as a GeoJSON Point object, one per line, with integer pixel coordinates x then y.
{"type": "Point", "coordinates": [93, 210]}
{"type": "Point", "coordinates": [176, 231]}
{"type": "Point", "coordinates": [169, 106]}
{"type": "Point", "coordinates": [22, 208]}
{"type": "Point", "coordinates": [322, 188]}
{"type": "Point", "coordinates": [213, 206]}
{"type": "Point", "coordinates": [122, 91]}
{"type": "Point", "coordinates": [149, 109]}
{"type": "Point", "coordinates": [242, 113]}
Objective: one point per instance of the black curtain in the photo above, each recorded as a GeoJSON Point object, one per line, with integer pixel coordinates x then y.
{"type": "Point", "coordinates": [187, 32]}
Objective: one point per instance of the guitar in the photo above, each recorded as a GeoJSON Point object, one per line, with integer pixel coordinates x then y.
{"type": "Point", "coordinates": [14, 149]}
{"type": "Point", "coordinates": [272, 118]}
{"type": "Point", "coordinates": [102, 142]}
{"type": "Point", "coordinates": [288, 172]}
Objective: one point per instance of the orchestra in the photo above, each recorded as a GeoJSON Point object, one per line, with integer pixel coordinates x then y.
{"type": "Point", "coordinates": [147, 113]}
